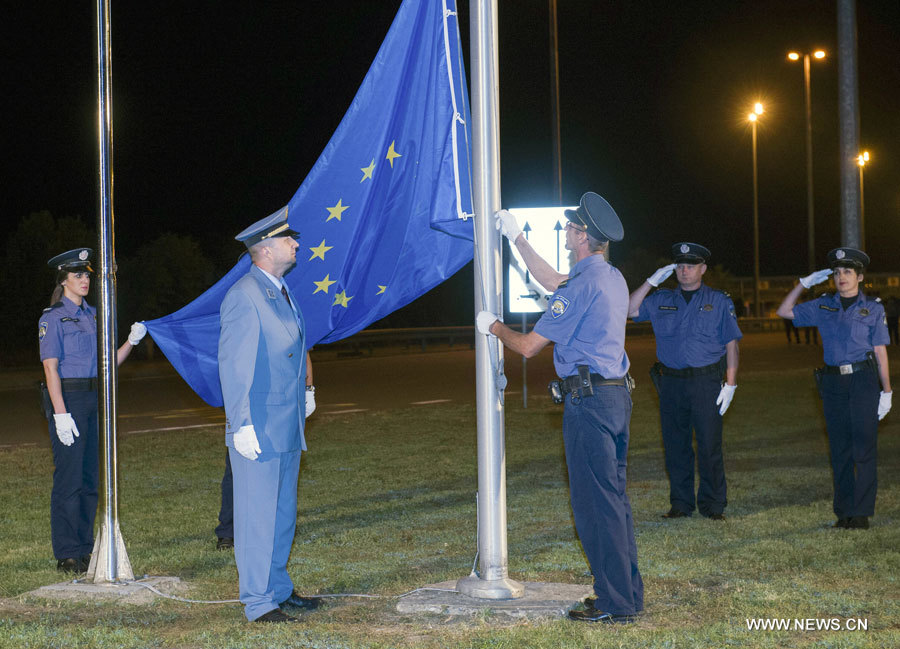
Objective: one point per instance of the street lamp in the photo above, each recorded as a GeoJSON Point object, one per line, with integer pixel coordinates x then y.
{"type": "Point", "coordinates": [757, 111]}
{"type": "Point", "coordinates": [862, 160]}
{"type": "Point", "coordinates": [795, 56]}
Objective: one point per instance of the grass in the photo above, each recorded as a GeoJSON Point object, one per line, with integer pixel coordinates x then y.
{"type": "Point", "coordinates": [387, 504]}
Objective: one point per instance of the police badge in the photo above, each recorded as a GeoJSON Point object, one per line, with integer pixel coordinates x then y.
{"type": "Point", "coordinates": [558, 306]}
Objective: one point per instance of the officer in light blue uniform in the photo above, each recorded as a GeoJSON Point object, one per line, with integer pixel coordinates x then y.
{"type": "Point", "coordinates": [67, 332]}
{"type": "Point", "coordinates": [696, 346]}
{"type": "Point", "coordinates": [586, 319]}
{"type": "Point", "coordinates": [854, 335]}
{"type": "Point", "coordinates": [262, 367]}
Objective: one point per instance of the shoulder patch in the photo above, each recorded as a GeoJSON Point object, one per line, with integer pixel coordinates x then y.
{"type": "Point", "coordinates": [558, 305]}
{"type": "Point", "coordinates": [42, 330]}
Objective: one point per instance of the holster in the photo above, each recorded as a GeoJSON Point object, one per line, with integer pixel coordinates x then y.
{"type": "Point", "coordinates": [44, 400]}
{"type": "Point", "coordinates": [655, 374]}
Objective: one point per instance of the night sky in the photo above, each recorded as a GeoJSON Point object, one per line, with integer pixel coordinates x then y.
{"type": "Point", "coordinates": [220, 110]}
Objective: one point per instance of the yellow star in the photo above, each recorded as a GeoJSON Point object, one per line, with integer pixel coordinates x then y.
{"type": "Point", "coordinates": [319, 251]}
{"type": "Point", "coordinates": [336, 211]}
{"type": "Point", "coordinates": [342, 298]}
{"type": "Point", "coordinates": [381, 289]}
{"type": "Point", "coordinates": [391, 154]}
{"type": "Point", "coordinates": [323, 285]}
{"type": "Point", "coordinates": [367, 171]}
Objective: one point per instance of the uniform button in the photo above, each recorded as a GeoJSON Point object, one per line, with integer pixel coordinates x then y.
{"type": "Point", "coordinates": [291, 355]}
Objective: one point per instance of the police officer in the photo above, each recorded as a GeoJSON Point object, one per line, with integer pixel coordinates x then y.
{"type": "Point", "coordinates": [68, 344]}
{"type": "Point", "coordinates": [696, 345]}
{"type": "Point", "coordinates": [586, 319]}
{"type": "Point", "coordinates": [854, 334]}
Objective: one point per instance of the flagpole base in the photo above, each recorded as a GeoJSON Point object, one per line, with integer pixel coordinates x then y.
{"type": "Point", "coordinates": [505, 588]}
{"type": "Point", "coordinates": [99, 571]}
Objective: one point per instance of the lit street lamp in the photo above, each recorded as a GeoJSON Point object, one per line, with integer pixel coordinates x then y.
{"type": "Point", "coordinates": [862, 160]}
{"type": "Point", "coordinates": [757, 111]}
{"type": "Point", "coordinates": [795, 56]}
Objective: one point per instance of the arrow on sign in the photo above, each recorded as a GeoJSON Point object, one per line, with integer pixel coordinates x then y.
{"type": "Point", "coordinates": [558, 227]}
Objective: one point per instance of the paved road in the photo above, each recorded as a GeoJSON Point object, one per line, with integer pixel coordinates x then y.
{"type": "Point", "coordinates": [152, 397]}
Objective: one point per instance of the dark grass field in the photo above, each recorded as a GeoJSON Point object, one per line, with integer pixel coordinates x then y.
{"type": "Point", "coordinates": [387, 504]}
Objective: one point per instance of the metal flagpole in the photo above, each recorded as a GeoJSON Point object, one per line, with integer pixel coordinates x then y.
{"type": "Point", "coordinates": [109, 561]}
{"type": "Point", "coordinates": [492, 582]}
{"type": "Point", "coordinates": [848, 113]}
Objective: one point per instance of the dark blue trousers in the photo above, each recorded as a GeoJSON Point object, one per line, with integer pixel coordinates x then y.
{"type": "Point", "coordinates": [850, 402]}
{"type": "Point", "coordinates": [595, 433]}
{"type": "Point", "coordinates": [76, 475]}
{"type": "Point", "coordinates": [687, 405]}
{"type": "Point", "coordinates": [225, 528]}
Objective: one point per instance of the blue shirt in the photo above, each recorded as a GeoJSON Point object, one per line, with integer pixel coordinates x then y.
{"type": "Point", "coordinates": [690, 334]}
{"type": "Point", "coordinates": [846, 334]}
{"type": "Point", "coordinates": [586, 320]}
{"type": "Point", "coordinates": [68, 332]}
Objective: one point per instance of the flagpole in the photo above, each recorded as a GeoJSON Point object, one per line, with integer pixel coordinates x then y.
{"type": "Point", "coordinates": [492, 581]}
{"type": "Point", "coordinates": [109, 560]}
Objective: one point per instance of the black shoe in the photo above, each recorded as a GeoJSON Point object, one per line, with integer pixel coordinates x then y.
{"type": "Point", "coordinates": [294, 600]}
{"type": "Point", "coordinates": [858, 523]}
{"type": "Point", "coordinates": [675, 513]}
{"type": "Point", "coordinates": [69, 565]}
{"type": "Point", "coordinates": [85, 561]}
{"type": "Point", "coordinates": [715, 517]}
{"type": "Point", "coordinates": [225, 543]}
{"type": "Point", "coordinates": [276, 616]}
{"type": "Point", "coordinates": [591, 614]}
{"type": "Point", "coordinates": [841, 523]}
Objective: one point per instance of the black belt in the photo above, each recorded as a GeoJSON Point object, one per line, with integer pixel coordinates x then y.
{"type": "Point", "coordinates": [574, 382]}
{"type": "Point", "coordinates": [715, 368]}
{"type": "Point", "coordinates": [849, 368]}
{"type": "Point", "coordinates": [79, 385]}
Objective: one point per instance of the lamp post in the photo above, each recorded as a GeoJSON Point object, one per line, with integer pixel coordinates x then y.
{"type": "Point", "coordinates": [862, 160]}
{"type": "Point", "coordinates": [795, 56]}
{"type": "Point", "coordinates": [753, 117]}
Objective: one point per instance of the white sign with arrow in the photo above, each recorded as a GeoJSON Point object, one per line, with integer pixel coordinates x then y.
{"type": "Point", "coordinates": [544, 227]}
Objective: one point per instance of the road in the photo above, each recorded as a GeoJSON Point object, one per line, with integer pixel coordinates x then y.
{"type": "Point", "coordinates": [153, 398]}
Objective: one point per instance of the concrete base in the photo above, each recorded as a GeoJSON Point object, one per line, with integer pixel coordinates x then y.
{"type": "Point", "coordinates": [129, 593]}
{"type": "Point", "coordinates": [540, 600]}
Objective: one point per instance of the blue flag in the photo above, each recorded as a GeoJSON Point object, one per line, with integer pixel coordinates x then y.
{"type": "Point", "coordinates": [383, 216]}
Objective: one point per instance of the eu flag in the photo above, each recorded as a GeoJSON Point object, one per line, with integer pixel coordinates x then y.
{"type": "Point", "coordinates": [384, 214]}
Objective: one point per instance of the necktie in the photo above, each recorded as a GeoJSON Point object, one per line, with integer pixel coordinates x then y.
{"type": "Point", "coordinates": [284, 293]}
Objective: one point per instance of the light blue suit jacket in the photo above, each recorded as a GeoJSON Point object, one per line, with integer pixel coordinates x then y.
{"type": "Point", "coordinates": [262, 364]}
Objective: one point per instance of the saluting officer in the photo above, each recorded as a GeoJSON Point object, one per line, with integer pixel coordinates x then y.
{"type": "Point", "coordinates": [854, 334]}
{"type": "Point", "coordinates": [696, 345]}
{"type": "Point", "coordinates": [586, 320]}
{"type": "Point", "coordinates": [68, 343]}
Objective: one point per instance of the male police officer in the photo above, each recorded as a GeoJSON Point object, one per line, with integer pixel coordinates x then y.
{"type": "Point", "coordinates": [586, 320]}
{"type": "Point", "coordinates": [262, 365]}
{"type": "Point", "coordinates": [696, 343]}
{"type": "Point", "coordinates": [854, 335]}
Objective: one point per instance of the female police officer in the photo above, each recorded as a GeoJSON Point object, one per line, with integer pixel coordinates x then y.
{"type": "Point", "coordinates": [854, 335]}
{"type": "Point", "coordinates": [68, 343]}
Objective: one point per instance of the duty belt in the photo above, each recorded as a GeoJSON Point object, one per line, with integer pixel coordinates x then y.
{"type": "Point", "coordinates": [849, 368]}
{"type": "Point", "coordinates": [574, 382]}
{"type": "Point", "coordinates": [79, 385]}
{"type": "Point", "coordinates": [715, 368]}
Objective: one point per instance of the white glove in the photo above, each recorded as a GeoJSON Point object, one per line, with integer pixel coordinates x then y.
{"type": "Point", "coordinates": [246, 444]}
{"type": "Point", "coordinates": [310, 400]}
{"type": "Point", "coordinates": [67, 431]}
{"type": "Point", "coordinates": [661, 275]}
{"type": "Point", "coordinates": [483, 322]}
{"type": "Point", "coordinates": [815, 278]}
{"type": "Point", "coordinates": [138, 331]}
{"type": "Point", "coordinates": [884, 405]}
{"type": "Point", "coordinates": [507, 224]}
{"type": "Point", "coordinates": [726, 394]}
